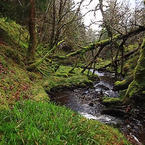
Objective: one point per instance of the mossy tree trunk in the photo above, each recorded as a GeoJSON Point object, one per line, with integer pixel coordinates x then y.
{"type": "Point", "coordinates": [136, 90]}
{"type": "Point", "coordinates": [32, 41]}
{"type": "Point", "coordinates": [103, 43]}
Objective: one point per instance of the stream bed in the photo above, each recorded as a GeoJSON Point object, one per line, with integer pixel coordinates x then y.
{"type": "Point", "coordinates": [86, 101]}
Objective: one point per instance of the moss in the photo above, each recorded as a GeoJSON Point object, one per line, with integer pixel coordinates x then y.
{"type": "Point", "coordinates": [39, 93]}
{"type": "Point", "coordinates": [102, 63]}
{"type": "Point", "coordinates": [28, 121]}
{"type": "Point", "coordinates": [111, 101]}
{"type": "Point", "coordinates": [136, 88]}
{"type": "Point", "coordinates": [121, 85]}
{"type": "Point", "coordinates": [120, 82]}
{"type": "Point", "coordinates": [14, 35]}
{"type": "Point", "coordinates": [16, 84]}
{"type": "Point", "coordinates": [62, 78]}
{"type": "Point", "coordinates": [133, 89]}
{"type": "Point", "coordinates": [130, 65]}
{"type": "Point", "coordinates": [13, 54]}
{"type": "Point", "coordinates": [131, 47]}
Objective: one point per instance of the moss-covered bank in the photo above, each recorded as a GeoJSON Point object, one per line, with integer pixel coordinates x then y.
{"type": "Point", "coordinates": [18, 83]}
{"type": "Point", "coordinates": [136, 89]}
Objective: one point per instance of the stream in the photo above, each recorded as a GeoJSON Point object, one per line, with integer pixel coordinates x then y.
{"type": "Point", "coordinates": [86, 101]}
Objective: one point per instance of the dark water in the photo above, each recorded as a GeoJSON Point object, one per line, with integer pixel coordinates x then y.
{"type": "Point", "coordinates": [86, 101]}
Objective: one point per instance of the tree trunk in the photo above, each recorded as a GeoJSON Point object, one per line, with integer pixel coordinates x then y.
{"type": "Point", "coordinates": [136, 90]}
{"type": "Point", "coordinates": [53, 25]}
{"type": "Point", "coordinates": [32, 40]}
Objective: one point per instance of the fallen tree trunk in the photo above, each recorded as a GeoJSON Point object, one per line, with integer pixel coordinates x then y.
{"type": "Point", "coordinates": [103, 43]}
{"type": "Point", "coordinates": [37, 63]}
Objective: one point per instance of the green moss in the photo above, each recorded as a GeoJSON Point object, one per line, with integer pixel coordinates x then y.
{"type": "Point", "coordinates": [15, 82]}
{"type": "Point", "coordinates": [16, 33]}
{"type": "Point", "coordinates": [120, 82]}
{"type": "Point", "coordinates": [39, 93]}
{"type": "Point", "coordinates": [101, 63]}
{"type": "Point", "coordinates": [121, 85]}
{"type": "Point", "coordinates": [138, 85]}
{"type": "Point", "coordinates": [130, 65]}
{"type": "Point", "coordinates": [31, 122]}
{"type": "Point", "coordinates": [131, 47]}
{"type": "Point", "coordinates": [111, 101]}
{"type": "Point", "coordinates": [62, 78]}
{"type": "Point", "coordinates": [91, 46]}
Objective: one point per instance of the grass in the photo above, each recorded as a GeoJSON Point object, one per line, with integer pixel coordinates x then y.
{"type": "Point", "coordinates": [31, 122]}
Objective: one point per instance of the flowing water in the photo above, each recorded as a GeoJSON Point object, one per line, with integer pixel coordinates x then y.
{"type": "Point", "coordinates": [86, 101]}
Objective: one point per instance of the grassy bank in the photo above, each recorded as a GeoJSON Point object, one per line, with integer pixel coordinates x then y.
{"type": "Point", "coordinates": [31, 122]}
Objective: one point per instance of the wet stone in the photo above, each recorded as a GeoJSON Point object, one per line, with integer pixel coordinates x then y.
{"type": "Point", "coordinates": [91, 104]}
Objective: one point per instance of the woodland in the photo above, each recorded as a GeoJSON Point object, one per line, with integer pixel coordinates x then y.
{"type": "Point", "coordinates": [62, 82]}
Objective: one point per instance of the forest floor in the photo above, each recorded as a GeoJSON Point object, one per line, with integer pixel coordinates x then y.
{"type": "Point", "coordinates": [26, 114]}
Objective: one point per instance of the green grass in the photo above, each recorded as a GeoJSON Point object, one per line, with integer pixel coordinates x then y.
{"type": "Point", "coordinates": [31, 122]}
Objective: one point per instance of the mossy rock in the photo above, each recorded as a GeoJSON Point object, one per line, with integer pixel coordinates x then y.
{"type": "Point", "coordinates": [122, 85]}
{"type": "Point", "coordinates": [111, 101]}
